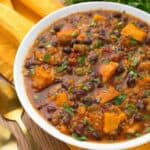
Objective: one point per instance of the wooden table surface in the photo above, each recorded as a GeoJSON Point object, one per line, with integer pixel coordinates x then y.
{"type": "Point", "coordinates": [44, 140]}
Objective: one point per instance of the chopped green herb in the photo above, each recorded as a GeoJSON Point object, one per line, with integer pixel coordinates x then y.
{"type": "Point", "coordinates": [133, 74]}
{"type": "Point", "coordinates": [85, 88]}
{"type": "Point", "coordinates": [96, 80]}
{"type": "Point", "coordinates": [36, 97]}
{"type": "Point", "coordinates": [130, 109]}
{"type": "Point", "coordinates": [147, 130]}
{"type": "Point", "coordinates": [74, 34]}
{"type": "Point", "coordinates": [85, 121]}
{"type": "Point", "coordinates": [135, 61]}
{"type": "Point", "coordinates": [81, 60]}
{"type": "Point", "coordinates": [147, 93]}
{"type": "Point", "coordinates": [79, 71]}
{"type": "Point", "coordinates": [70, 89]}
{"type": "Point", "coordinates": [47, 58]}
{"type": "Point", "coordinates": [106, 61]}
{"type": "Point", "coordinates": [118, 100]}
{"type": "Point", "coordinates": [80, 138]}
{"type": "Point", "coordinates": [90, 128]}
{"type": "Point", "coordinates": [93, 24]}
{"type": "Point", "coordinates": [31, 72]}
{"type": "Point", "coordinates": [120, 23]}
{"type": "Point", "coordinates": [128, 136]}
{"type": "Point", "coordinates": [146, 117]}
{"type": "Point", "coordinates": [47, 44]}
{"type": "Point", "coordinates": [68, 109]}
{"type": "Point", "coordinates": [133, 42]}
{"type": "Point", "coordinates": [52, 31]}
{"type": "Point", "coordinates": [137, 134]}
{"type": "Point", "coordinates": [97, 43]}
{"type": "Point", "coordinates": [62, 67]}
{"type": "Point", "coordinates": [118, 78]}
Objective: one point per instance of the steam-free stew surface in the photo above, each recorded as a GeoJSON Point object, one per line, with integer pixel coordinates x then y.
{"type": "Point", "coordinates": [89, 75]}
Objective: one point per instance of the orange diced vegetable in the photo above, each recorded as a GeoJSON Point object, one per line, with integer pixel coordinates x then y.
{"type": "Point", "coordinates": [64, 36]}
{"type": "Point", "coordinates": [144, 82]}
{"type": "Point", "coordinates": [107, 70]}
{"type": "Point", "coordinates": [132, 31]}
{"type": "Point", "coordinates": [99, 18]}
{"type": "Point", "coordinates": [42, 77]}
{"type": "Point", "coordinates": [107, 95]}
{"type": "Point", "coordinates": [145, 65]}
{"type": "Point", "coordinates": [132, 128]}
{"type": "Point", "coordinates": [112, 121]}
{"type": "Point", "coordinates": [81, 37]}
{"type": "Point", "coordinates": [81, 110]}
{"type": "Point", "coordinates": [61, 99]}
{"type": "Point", "coordinates": [63, 129]}
{"type": "Point", "coordinates": [38, 55]}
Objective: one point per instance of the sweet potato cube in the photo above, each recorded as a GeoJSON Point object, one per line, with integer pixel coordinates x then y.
{"type": "Point", "coordinates": [112, 121]}
{"type": "Point", "coordinates": [64, 36]}
{"type": "Point", "coordinates": [133, 128]}
{"type": "Point", "coordinates": [42, 77]}
{"type": "Point", "coordinates": [132, 31]}
{"type": "Point", "coordinates": [61, 99]}
{"type": "Point", "coordinates": [99, 18]}
{"type": "Point", "coordinates": [107, 95]}
{"type": "Point", "coordinates": [81, 110]}
{"type": "Point", "coordinates": [145, 65]}
{"type": "Point", "coordinates": [107, 70]}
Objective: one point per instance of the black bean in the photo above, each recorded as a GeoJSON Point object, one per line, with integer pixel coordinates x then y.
{"type": "Point", "coordinates": [96, 135]}
{"type": "Point", "coordinates": [79, 129]}
{"type": "Point", "coordinates": [66, 118]}
{"type": "Point", "coordinates": [140, 24]}
{"type": "Point", "coordinates": [87, 101]}
{"type": "Point", "coordinates": [79, 93]}
{"type": "Point", "coordinates": [102, 32]}
{"type": "Point", "coordinates": [75, 105]}
{"type": "Point", "coordinates": [117, 15]}
{"type": "Point", "coordinates": [57, 28]}
{"type": "Point", "coordinates": [31, 63]}
{"type": "Point", "coordinates": [117, 33]}
{"type": "Point", "coordinates": [138, 117]}
{"type": "Point", "coordinates": [28, 64]}
{"type": "Point", "coordinates": [57, 80]}
{"type": "Point", "coordinates": [120, 69]}
{"type": "Point", "coordinates": [90, 86]}
{"type": "Point", "coordinates": [54, 43]}
{"type": "Point", "coordinates": [87, 41]}
{"type": "Point", "coordinates": [74, 41]}
{"type": "Point", "coordinates": [72, 97]}
{"type": "Point", "coordinates": [69, 70]}
{"type": "Point", "coordinates": [65, 85]}
{"type": "Point", "coordinates": [51, 108]}
{"type": "Point", "coordinates": [93, 58]}
{"type": "Point", "coordinates": [94, 74]}
{"type": "Point", "coordinates": [140, 104]}
{"type": "Point", "coordinates": [100, 85]}
{"type": "Point", "coordinates": [67, 50]}
{"type": "Point", "coordinates": [102, 35]}
{"type": "Point", "coordinates": [147, 41]}
{"type": "Point", "coordinates": [131, 82]}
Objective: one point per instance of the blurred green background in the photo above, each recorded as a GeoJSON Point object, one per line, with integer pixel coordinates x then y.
{"type": "Point", "coordinates": [141, 4]}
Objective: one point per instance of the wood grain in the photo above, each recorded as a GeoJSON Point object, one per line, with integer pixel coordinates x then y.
{"type": "Point", "coordinates": [44, 140]}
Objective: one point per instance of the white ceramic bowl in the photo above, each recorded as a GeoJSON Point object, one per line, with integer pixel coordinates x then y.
{"type": "Point", "coordinates": [19, 81]}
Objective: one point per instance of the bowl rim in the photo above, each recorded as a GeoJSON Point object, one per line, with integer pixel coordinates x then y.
{"type": "Point", "coordinates": [19, 82]}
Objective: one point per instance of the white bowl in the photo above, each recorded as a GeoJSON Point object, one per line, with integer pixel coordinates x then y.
{"type": "Point", "coordinates": [19, 79]}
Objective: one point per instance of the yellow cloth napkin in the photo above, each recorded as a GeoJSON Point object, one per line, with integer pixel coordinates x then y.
{"type": "Point", "coordinates": [16, 18]}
